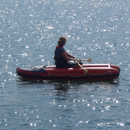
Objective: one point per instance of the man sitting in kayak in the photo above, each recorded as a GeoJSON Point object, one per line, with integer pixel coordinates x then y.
{"type": "Point", "coordinates": [61, 56]}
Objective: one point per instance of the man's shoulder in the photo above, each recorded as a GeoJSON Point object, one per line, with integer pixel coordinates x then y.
{"type": "Point", "coordinates": [60, 49]}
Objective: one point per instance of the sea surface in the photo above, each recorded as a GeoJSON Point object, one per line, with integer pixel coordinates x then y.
{"type": "Point", "coordinates": [29, 31]}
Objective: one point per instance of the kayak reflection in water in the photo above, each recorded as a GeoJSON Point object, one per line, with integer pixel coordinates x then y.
{"type": "Point", "coordinates": [61, 57]}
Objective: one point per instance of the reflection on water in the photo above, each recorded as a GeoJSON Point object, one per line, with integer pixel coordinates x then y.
{"type": "Point", "coordinates": [60, 87]}
{"type": "Point", "coordinates": [29, 30]}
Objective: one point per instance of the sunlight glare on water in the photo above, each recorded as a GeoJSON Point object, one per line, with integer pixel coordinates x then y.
{"type": "Point", "coordinates": [29, 31]}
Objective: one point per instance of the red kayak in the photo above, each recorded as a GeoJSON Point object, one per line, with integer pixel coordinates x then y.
{"type": "Point", "coordinates": [95, 72]}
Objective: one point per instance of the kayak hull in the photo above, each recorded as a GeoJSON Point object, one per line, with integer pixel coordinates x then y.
{"type": "Point", "coordinates": [95, 72]}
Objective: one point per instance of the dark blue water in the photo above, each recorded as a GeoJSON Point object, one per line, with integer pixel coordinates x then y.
{"type": "Point", "coordinates": [97, 29]}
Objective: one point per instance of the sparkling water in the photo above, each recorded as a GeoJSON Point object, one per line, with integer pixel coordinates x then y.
{"type": "Point", "coordinates": [29, 31]}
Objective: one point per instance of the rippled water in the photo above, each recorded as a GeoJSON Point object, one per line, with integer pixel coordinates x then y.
{"type": "Point", "coordinates": [29, 31]}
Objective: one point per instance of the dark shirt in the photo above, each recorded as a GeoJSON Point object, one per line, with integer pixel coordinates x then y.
{"type": "Point", "coordinates": [60, 62]}
{"type": "Point", "coordinates": [59, 59]}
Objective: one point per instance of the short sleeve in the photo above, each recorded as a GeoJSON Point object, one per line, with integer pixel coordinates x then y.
{"type": "Point", "coordinates": [61, 50]}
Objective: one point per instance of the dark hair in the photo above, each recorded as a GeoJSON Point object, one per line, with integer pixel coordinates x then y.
{"type": "Point", "coordinates": [61, 41]}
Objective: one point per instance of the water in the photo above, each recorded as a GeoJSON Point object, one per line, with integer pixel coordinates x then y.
{"type": "Point", "coordinates": [29, 31]}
